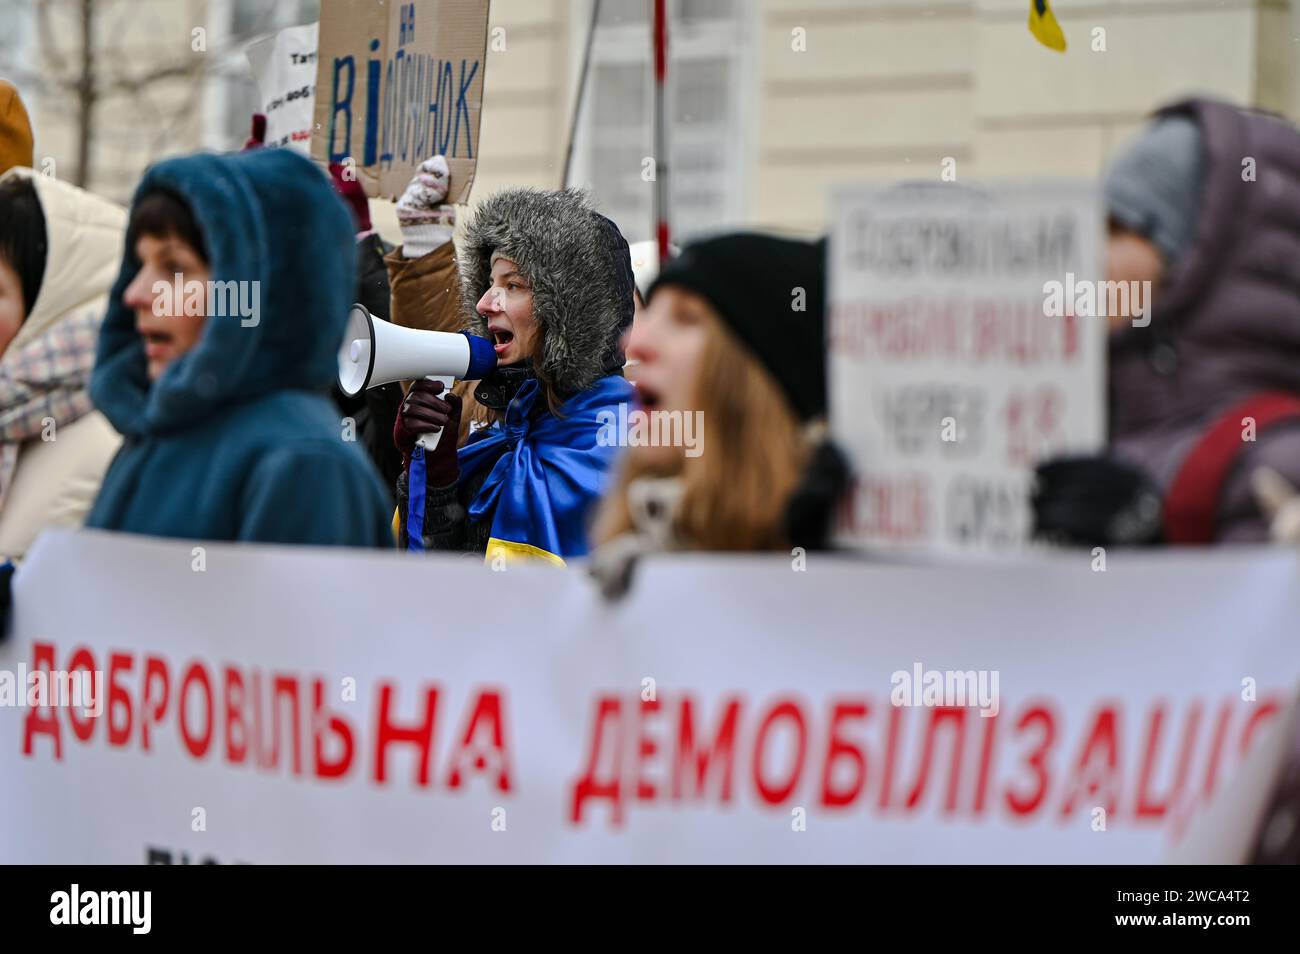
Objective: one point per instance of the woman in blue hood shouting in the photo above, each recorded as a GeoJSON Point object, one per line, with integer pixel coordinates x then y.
{"type": "Point", "coordinates": [549, 281]}
{"type": "Point", "coordinates": [217, 354]}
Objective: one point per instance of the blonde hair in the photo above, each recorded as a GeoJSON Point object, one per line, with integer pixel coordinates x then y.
{"type": "Point", "coordinates": [734, 493]}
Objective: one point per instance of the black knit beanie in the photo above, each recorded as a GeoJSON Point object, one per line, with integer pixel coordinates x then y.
{"type": "Point", "coordinates": [771, 293]}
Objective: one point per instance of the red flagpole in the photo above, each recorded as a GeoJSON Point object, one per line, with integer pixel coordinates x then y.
{"type": "Point", "coordinates": [661, 128]}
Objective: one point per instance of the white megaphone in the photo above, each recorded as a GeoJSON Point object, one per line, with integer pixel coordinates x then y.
{"type": "Point", "coordinates": [376, 352]}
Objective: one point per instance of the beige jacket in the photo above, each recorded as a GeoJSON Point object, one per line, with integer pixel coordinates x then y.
{"type": "Point", "coordinates": [55, 482]}
{"type": "Point", "coordinates": [426, 295]}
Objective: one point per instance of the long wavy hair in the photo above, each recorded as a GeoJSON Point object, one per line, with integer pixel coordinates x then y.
{"type": "Point", "coordinates": [735, 492]}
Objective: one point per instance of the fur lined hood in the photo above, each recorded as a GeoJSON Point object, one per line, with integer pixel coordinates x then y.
{"type": "Point", "coordinates": [580, 269]}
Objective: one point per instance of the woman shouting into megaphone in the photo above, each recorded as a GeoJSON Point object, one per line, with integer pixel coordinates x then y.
{"type": "Point", "coordinates": [549, 282]}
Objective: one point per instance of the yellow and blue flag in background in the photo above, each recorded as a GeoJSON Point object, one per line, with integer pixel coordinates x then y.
{"type": "Point", "coordinates": [1043, 25]}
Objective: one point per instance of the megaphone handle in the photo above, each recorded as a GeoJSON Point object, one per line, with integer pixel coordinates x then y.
{"type": "Point", "coordinates": [430, 441]}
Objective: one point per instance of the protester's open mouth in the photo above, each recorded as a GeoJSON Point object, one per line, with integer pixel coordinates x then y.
{"type": "Point", "coordinates": [155, 342]}
{"type": "Point", "coordinates": [501, 339]}
{"type": "Point", "coordinates": [649, 397]}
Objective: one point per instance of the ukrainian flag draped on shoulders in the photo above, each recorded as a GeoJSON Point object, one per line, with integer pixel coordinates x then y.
{"type": "Point", "coordinates": [547, 470]}
{"type": "Point", "coordinates": [528, 482]}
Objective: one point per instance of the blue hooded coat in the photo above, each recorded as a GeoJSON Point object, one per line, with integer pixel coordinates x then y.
{"type": "Point", "coordinates": [238, 439]}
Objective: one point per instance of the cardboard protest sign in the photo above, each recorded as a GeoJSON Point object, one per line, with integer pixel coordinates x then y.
{"type": "Point", "coordinates": [399, 82]}
{"type": "Point", "coordinates": [276, 704]}
{"type": "Point", "coordinates": [284, 65]}
{"type": "Point", "coordinates": [960, 355]}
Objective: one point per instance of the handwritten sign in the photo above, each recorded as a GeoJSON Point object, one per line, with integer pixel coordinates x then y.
{"type": "Point", "coordinates": [284, 65]}
{"type": "Point", "coordinates": [400, 82]}
{"type": "Point", "coordinates": [951, 373]}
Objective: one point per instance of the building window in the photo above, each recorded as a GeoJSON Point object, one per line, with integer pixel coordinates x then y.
{"type": "Point", "coordinates": [709, 87]}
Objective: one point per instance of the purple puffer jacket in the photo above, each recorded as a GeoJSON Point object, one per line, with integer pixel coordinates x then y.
{"type": "Point", "coordinates": [1226, 324]}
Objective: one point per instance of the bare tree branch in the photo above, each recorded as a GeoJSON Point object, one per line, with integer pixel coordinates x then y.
{"type": "Point", "coordinates": [45, 33]}
{"type": "Point", "coordinates": [133, 84]}
{"type": "Point", "coordinates": [79, 83]}
{"type": "Point", "coordinates": [86, 94]}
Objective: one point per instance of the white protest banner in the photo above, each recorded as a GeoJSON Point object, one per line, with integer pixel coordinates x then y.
{"type": "Point", "coordinates": [284, 65]}
{"type": "Point", "coordinates": [399, 82]}
{"type": "Point", "coordinates": [951, 371]}
{"type": "Point", "coordinates": [270, 704]}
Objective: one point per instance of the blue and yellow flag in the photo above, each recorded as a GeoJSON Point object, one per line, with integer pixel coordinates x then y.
{"type": "Point", "coordinates": [547, 471]}
{"type": "Point", "coordinates": [1043, 25]}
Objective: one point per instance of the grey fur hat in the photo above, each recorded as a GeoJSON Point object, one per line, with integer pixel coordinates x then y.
{"type": "Point", "coordinates": [580, 269]}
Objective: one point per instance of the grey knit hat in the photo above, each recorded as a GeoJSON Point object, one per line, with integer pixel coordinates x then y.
{"type": "Point", "coordinates": [1153, 184]}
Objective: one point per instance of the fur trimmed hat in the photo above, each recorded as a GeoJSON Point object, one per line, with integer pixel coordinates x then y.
{"type": "Point", "coordinates": [579, 267]}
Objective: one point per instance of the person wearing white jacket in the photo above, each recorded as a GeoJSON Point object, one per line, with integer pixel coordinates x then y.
{"type": "Point", "coordinates": [60, 248]}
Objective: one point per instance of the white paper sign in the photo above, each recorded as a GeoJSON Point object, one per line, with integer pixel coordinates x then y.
{"type": "Point", "coordinates": [284, 65]}
{"type": "Point", "coordinates": [270, 704]}
{"type": "Point", "coordinates": [950, 372]}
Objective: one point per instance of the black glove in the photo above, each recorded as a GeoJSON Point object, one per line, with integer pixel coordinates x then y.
{"type": "Point", "coordinates": [1096, 501]}
{"type": "Point", "coordinates": [809, 516]}
{"type": "Point", "coordinates": [424, 410]}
